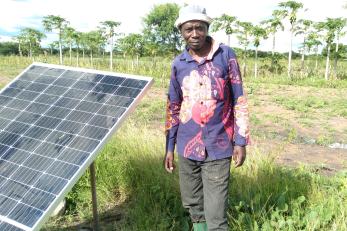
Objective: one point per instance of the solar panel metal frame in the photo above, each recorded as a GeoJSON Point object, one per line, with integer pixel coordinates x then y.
{"type": "Point", "coordinates": [93, 154]}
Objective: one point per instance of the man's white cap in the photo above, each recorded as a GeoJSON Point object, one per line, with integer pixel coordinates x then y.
{"type": "Point", "coordinates": [192, 12]}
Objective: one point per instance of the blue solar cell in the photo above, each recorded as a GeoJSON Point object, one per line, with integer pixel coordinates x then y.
{"type": "Point", "coordinates": [65, 82]}
{"type": "Point", "coordinates": [37, 108]}
{"type": "Point", "coordinates": [58, 112]}
{"type": "Point", "coordinates": [25, 214]}
{"type": "Point", "coordinates": [28, 95]}
{"type": "Point", "coordinates": [7, 168]}
{"type": "Point", "coordinates": [73, 156]}
{"type": "Point", "coordinates": [47, 99]}
{"type": "Point", "coordinates": [48, 122]}
{"type": "Point", "coordinates": [121, 101]}
{"type": "Point", "coordinates": [8, 138]}
{"type": "Point", "coordinates": [84, 85]}
{"type": "Point", "coordinates": [134, 83]}
{"type": "Point", "coordinates": [56, 90]}
{"type": "Point", "coordinates": [17, 127]}
{"type": "Point", "coordinates": [4, 100]}
{"type": "Point", "coordinates": [62, 169]}
{"type": "Point", "coordinates": [15, 155]}
{"type": "Point", "coordinates": [105, 88]}
{"type": "Point", "coordinates": [18, 104]}
{"type": "Point", "coordinates": [60, 138]}
{"type": "Point", "coordinates": [50, 184]}
{"type": "Point", "coordinates": [80, 116]}
{"type": "Point", "coordinates": [88, 106]}
{"type": "Point", "coordinates": [38, 199]}
{"type": "Point", "coordinates": [26, 143]}
{"type": "Point", "coordinates": [84, 144]}
{"type": "Point", "coordinates": [28, 117]}
{"type": "Point", "coordinates": [38, 162]}
{"type": "Point", "coordinates": [70, 127]}
{"type": "Point", "coordinates": [112, 80]}
{"type": "Point", "coordinates": [9, 113]}
{"type": "Point", "coordinates": [49, 150]}
{"type": "Point", "coordinates": [38, 87]}
{"type": "Point", "coordinates": [94, 132]}
{"type": "Point", "coordinates": [112, 111]}
{"type": "Point", "coordinates": [91, 77]}
{"type": "Point", "coordinates": [72, 74]}
{"type": "Point", "coordinates": [97, 97]}
{"type": "Point", "coordinates": [4, 122]}
{"type": "Point", "coordinates": [76, 94]}
{"type": "Point", "coordinates": [29, 76]}
{"type": "Point", "coordinates": [103, 121]}
{"type": "Point", "coordinates": [10, 92]}
{"type": "Point", "coordinates": [9, 227]}
{"type": "Point", "coordinates": [129, 92]}
{"type": "Point", "coordinates": [46, 79]}
{"type": "Point", "coordinates": [14, 190]}
{"type": "Point", "coordinates": [37, 69]}
{"type": "Point", "coordinates": [54, 72]}
{"type": "Point", "coordinates": [6, 205]}
{"type": "Point", "coordinates": [20, 84]}
{"type": "Point", "coordinates": [38, 133]}
{"type": "Point", "coordinates": [67, 102]}
{"type": "Point", "coordinates": [26, 176]}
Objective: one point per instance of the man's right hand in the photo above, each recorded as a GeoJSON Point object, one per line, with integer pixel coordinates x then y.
{"type": "Point", "coordinates": [169, 162]}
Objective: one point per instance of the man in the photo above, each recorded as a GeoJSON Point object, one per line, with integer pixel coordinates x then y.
{"type": "Point", "coordinates": [207, 117]}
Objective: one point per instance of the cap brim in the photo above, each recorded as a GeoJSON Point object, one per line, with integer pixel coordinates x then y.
{"type": "Point", "coordinates": [191, 17]}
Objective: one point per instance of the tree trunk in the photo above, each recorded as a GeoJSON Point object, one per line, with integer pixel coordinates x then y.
{"type": "Point", "coordinates": [70, 51]}
{"type": "Point", "coordinates": [255, 63]}
{"type": "Point", "coordinates": [290, 53]}
{"type": "Point", "coordinates": [20, 50]}
{"type": "Point", "coordinates": [77, 55]}
{"type": "Point", "coordinates": [326, 76]}
{"type": "Point", "coordinates": [303, 59]}
{"type": "Point", "coordinates": [30, 51]}
{"type": "Point", "coordinates": [60, 49]}
{"type": "Point", "coordinates": [111, 54]}
{"type": "Point", "coordinates": [229, 40]}
{"type": "Point", "coordinates": [335, 61]}
{"type": "Point", "coordinates": [244, 61]}
{"type": "Point", "coordinates": [316, 51]}
{"type": "Point", "coordinates": [91, 58]}
{"type": "Point", "coordinates": [273, 51]}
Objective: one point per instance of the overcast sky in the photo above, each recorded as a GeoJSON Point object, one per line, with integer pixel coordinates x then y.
{"type": "Point", "coordinates": [85, 15]}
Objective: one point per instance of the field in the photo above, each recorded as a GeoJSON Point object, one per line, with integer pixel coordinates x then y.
{"type": "Point", "coordinates": [292, 178]}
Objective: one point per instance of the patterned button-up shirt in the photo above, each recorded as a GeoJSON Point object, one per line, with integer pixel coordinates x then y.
{"type": "Point", "coordinates": [207, 109]}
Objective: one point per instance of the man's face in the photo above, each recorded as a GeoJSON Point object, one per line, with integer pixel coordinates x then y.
{"type": "Point", "coordinates": [194, 33]}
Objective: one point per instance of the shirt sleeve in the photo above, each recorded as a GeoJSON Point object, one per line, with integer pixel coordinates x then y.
{"type": "Point", "coordinates": [172, 111]}
{"type": "Point", "coordinates": [239, 103]}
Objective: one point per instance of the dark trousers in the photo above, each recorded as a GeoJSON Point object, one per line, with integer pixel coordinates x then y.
{"type": "Point", "coordinates": [204, 190]}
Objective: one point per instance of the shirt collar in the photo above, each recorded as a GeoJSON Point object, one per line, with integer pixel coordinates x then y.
{"type": "Point", "coordinates": [215, 46]}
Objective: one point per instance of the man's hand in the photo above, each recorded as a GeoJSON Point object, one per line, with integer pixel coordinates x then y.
{"type": "Point", "coordinates": [169, 162]}
{"type": "Point", "coordinates": [239, 155]}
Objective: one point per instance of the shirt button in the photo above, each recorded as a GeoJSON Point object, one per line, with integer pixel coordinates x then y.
{"type": "Point", "coordinates": [200, 84]}
{"type": "Point", "coordinates": [202, 102]}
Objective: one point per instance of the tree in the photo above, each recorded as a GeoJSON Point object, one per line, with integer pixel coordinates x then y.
{"type": "Point", "coordinates": [31, 38]}
{"type": "Point", "coordinates": [52, 22]}
{"type": "Point", "coordinates": [257, 33]}
{"type": "Point", "coordinates": [340, 23]}
{"type": "Point", "coordinates": [77, 38]}
{"type": "Point", "coordinates": [244, 30]}
{"type": "Point", "coordinates": [329, 28]}
{"type": "Point", "coordinates": [108, 29]}
{"type": "Point", "coordinates": [226, 23]}
{"type": "Point", "coordinates": [290, 9]}
{"type": "Point", "coordinates": [159, 28]}
{"type": "Point", "coordinates": [313, 41]}
{"type": "Point", "coordinates": [68, 35]}
{"type": "Point", "coordinates": [94, 41]}
{"type": "Point", "coordinates": [272, 25]}
{"type": "Point", "coordinates": [303, 27]}
{"type": "Point", "coordinates": [132, 44]}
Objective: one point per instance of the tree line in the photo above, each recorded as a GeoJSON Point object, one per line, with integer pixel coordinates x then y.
{"type": "Point", "coordinates": [160, 37]}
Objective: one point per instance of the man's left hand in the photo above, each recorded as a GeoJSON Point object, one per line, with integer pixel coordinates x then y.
{"type": "Point", "coordinates": [239, 155]}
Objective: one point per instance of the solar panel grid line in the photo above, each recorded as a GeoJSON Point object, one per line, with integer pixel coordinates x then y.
{"type": "Point", "coordinates": [90, 124]}
{"type": "Point", "coordinates": [14, 223]}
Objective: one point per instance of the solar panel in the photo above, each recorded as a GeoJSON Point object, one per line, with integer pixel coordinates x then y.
{"type": "Point", "coordinates": [53, 121]}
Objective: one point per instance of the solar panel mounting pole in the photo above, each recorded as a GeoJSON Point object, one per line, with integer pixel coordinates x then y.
{"type": "Point", "coordinates": [94, 197]}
